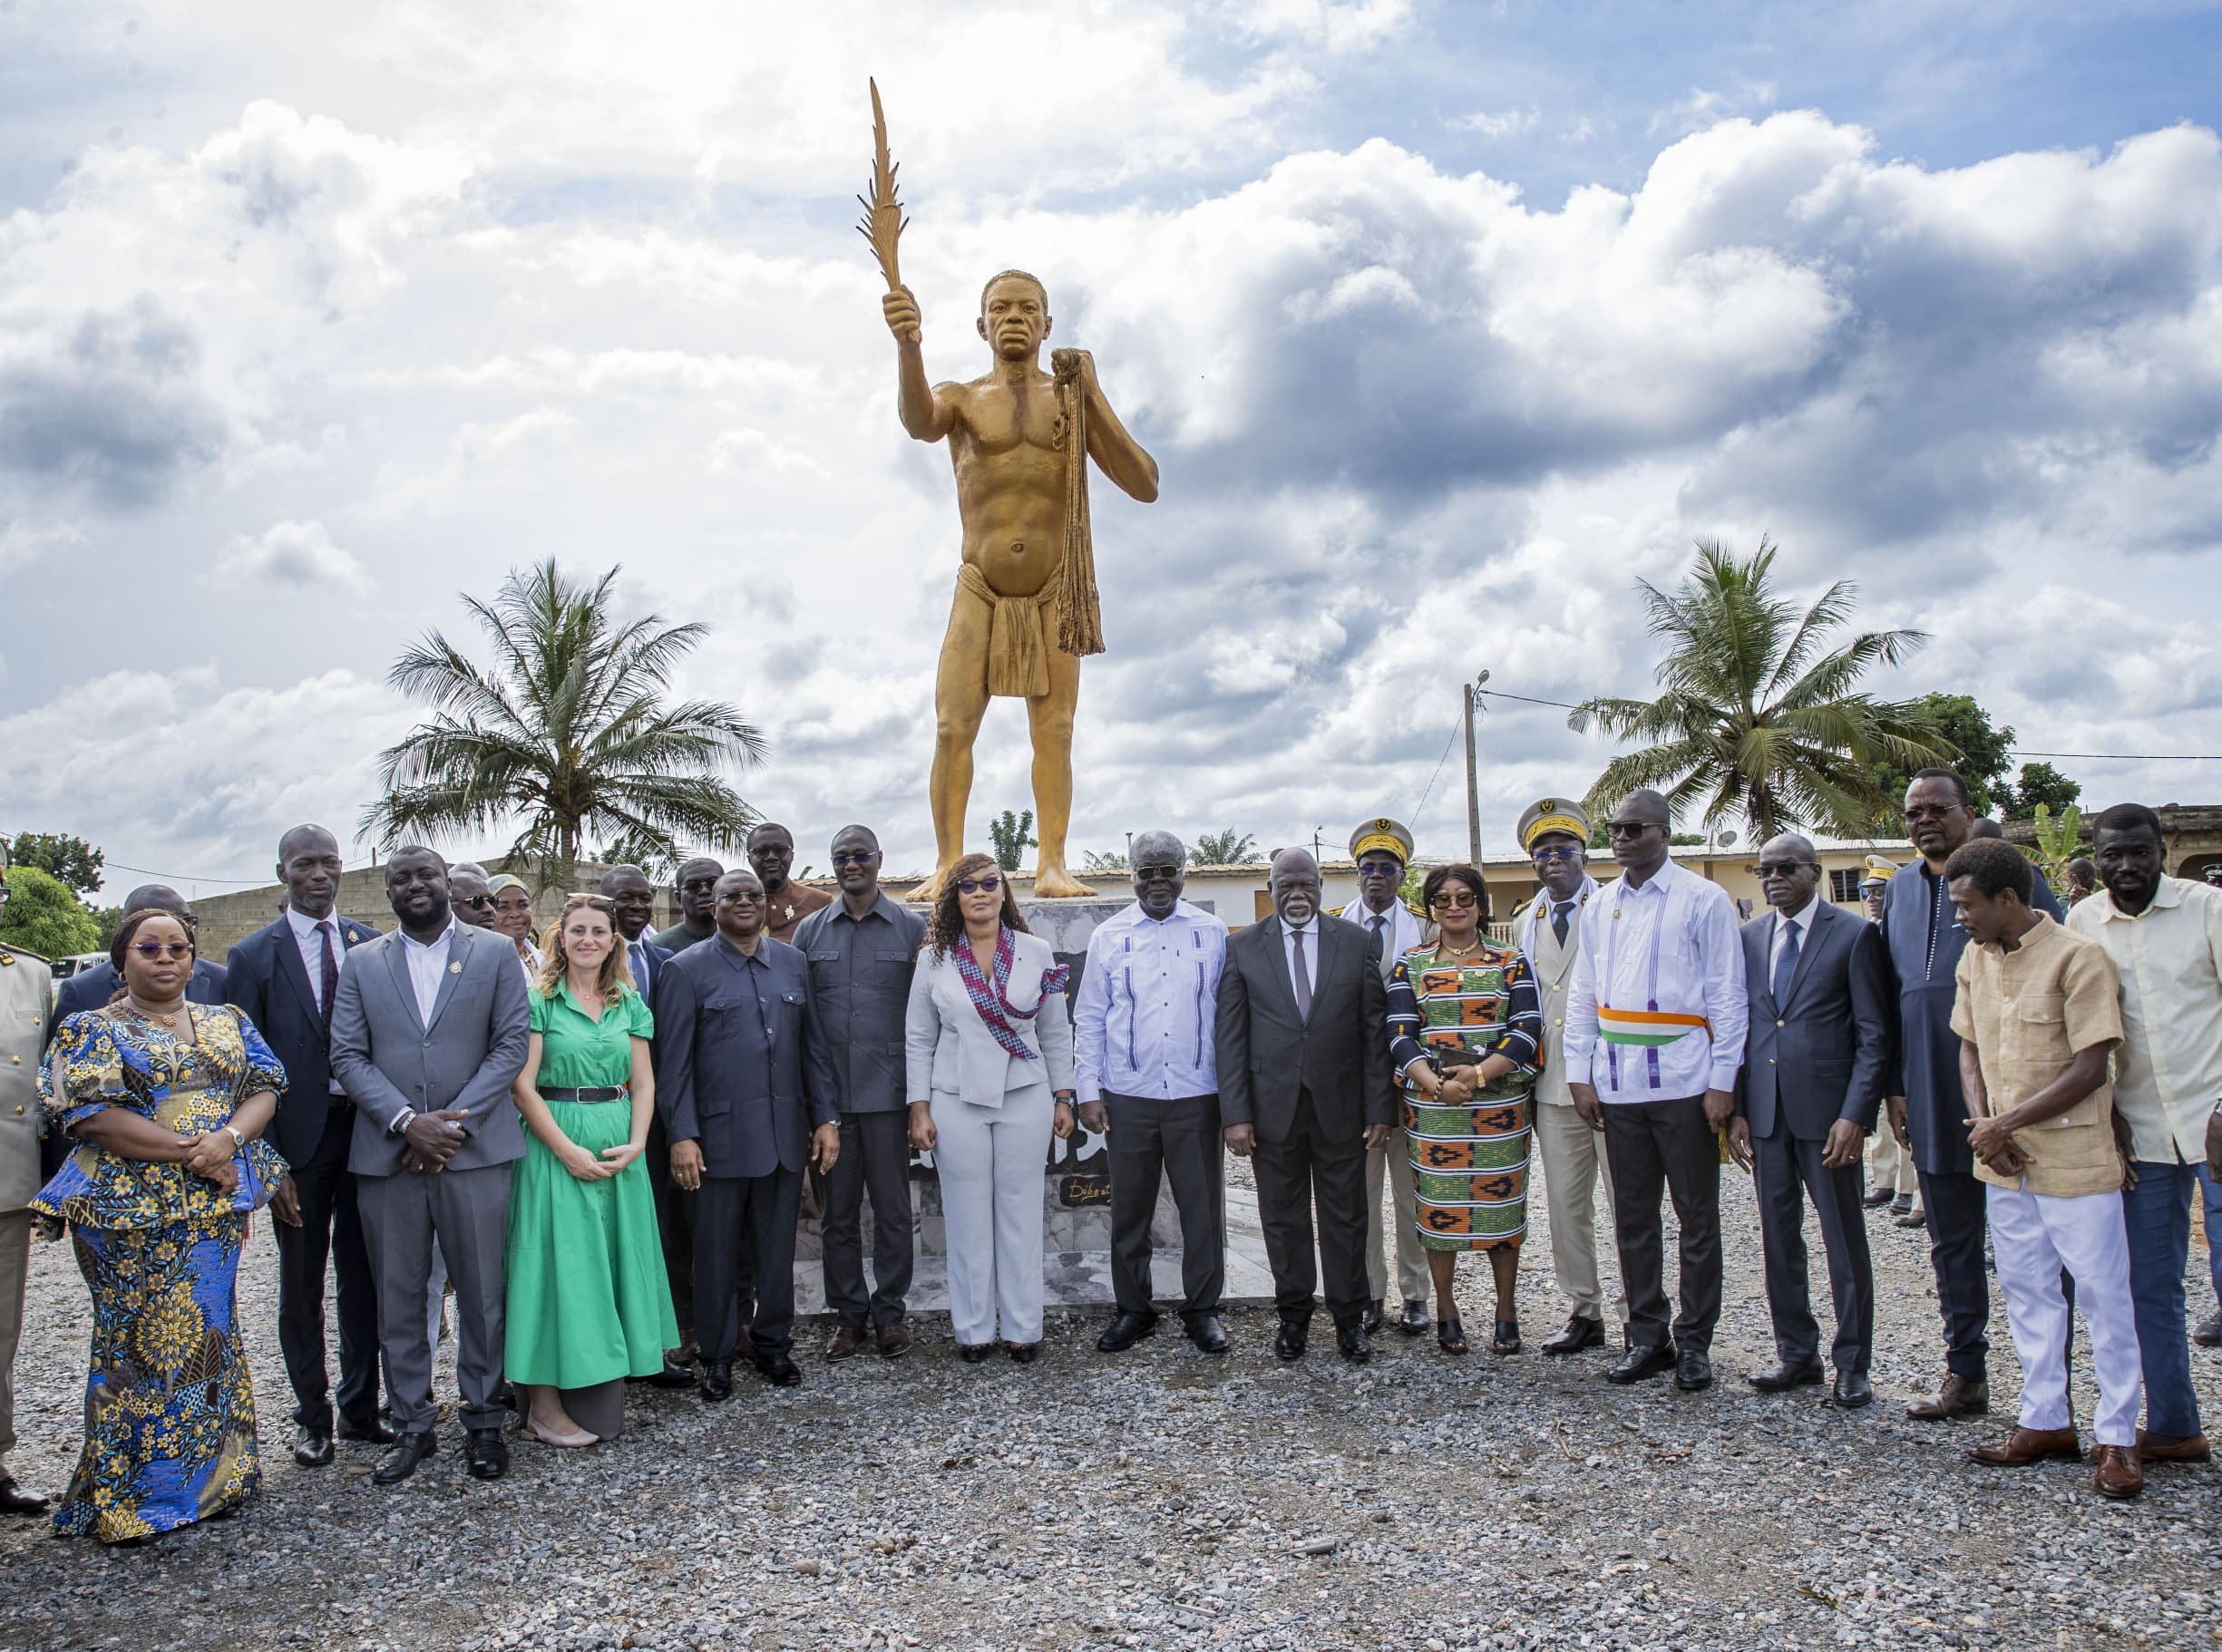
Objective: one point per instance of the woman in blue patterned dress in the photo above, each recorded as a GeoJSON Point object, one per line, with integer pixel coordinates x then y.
{"type": "Point", "coordinates": [1466, 1034]}
{"type": "Point", "coordinates": [167, 1102]}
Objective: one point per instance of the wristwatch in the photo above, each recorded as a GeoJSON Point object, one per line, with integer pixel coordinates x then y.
{"type": "Point", "coordinates": [239, 1142]}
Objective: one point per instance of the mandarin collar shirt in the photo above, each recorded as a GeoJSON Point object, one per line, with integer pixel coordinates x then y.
{"type": "Point", "coordinates": [1143, 1017]}
{"type": "Point", "coordinates": [2167, 1069]}
{"type": "Point", "coordinates": [860, 974]}
{"type": "Point", "coordinates": [1689, 924]}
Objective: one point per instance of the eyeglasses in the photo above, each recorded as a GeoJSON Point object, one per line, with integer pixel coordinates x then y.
{"type": "Point", "coordinates": [1463, 901]}
{"type": "Point", "coordinates": [1932, 812]}
{"type": "Point", "coordinates": [740, 898]}
{"type": "Point", "coordinates": [1783, 868]}
{"type": "Point", "coordinates": [1555, 852]}
{"type": "Point", "coordinates": [1380, 868]}
{"type": "Point", "coordinates": [1156, 874]}
{"type": "Point", "coordinates": [477, 903]}
{"type": "Point", "coordinates": [1630, 828]}
{"type": "Point", "coordinates": [150, 951]}
{"type": "Point", "coordinates": [978, 886]}
{"type": "Point", "coordinates": [856, 856]}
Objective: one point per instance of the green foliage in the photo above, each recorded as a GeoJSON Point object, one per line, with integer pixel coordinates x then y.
{"type": "Point", "coordinates": [1228, 848]}
{"type": "Point", "coordinates": [1414, 878]}
{"type": "Point", "coordinates": [2058, 841]}
{"type": "Point", "coordinates": [568, 728]}
{"type": "Point", "coordinates": [1115, 861]}
{"type": "Point", "coordinates": [1008, 832]}
{"type": "Point", "coordinates": [70, 861]}
{"type": "Point", "coordinates": [652, 852]}
{"type": "Point", "coordinates": [2042, 786]}
{"type": "Point", "coordinates": [1968, 744]}
{"type": "Point", "coordinates": [1757, 717]}
{"type": "Point", "coordinates": [42, 916]}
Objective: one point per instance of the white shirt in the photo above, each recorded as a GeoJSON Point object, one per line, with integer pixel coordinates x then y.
{"type": "Point", "coordinates": [1692, 922]}
{"type": "Point", "coordinates": [427, 962]}
{"type": "Point", "coordinates": [2168, 1068]}
{"type": "Point", "coordinates": [1399, 930]}
{"type": "Point", "coordinates": [1307, 938]}
{"type": "Point", "coordinates": [311, 945]}
{"type": "Point", "coordinates": [1143, 1022]}
{"type": "Point", "coordinates": [1800, 921]}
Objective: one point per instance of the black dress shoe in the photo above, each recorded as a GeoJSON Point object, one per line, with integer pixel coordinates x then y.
{"type": "Point", "coordinates": [1023, 1352]}
{"type": "Point", "coordinates": [399, 1459]}
{"type": "Point", "coordinates": [672, 1376]}
{"type": "Point", "coordinates": [779, 1370]}
{"type": "Point", "coordinates": [378, 1431]}
{"type": "Point", "coordinates": [1289, 1343]}
{"type": "Point", "coordinates": [16, 1501]}
{"type": "Point", "coordinates": [1693, 1370]}
{"type": "Point", "coordinates": [1781, 1377]}
{"type": "Point", "coordinates": [1581, 1332]}
{"type": "Point", "coordinates": [1853, 1390]}
{"type": "Point", "coordinates": [1352, 1344]}
{"type": "Point", "coordinates": [1876, 1198]}
{"type": "Point", "coordinates": [1638, 1364]}
{"type": "Point", "coordinates": [1414, 1321]}
{"type": "Point", "coordinates": [485, 1453]}
{"type": "Point", "coordinates": [1124, 1331]}
{"type": "Point", "coordinates": [1206, 1331]}
{"type": "Point", "coordinates": [313, 1450]}
{"type": "Point", "coordinates": [973, 1353]}
{"type": "Point", "coordinates": [716, 1380]}
{"type": "Point", "coordinates": [1372, 1320]}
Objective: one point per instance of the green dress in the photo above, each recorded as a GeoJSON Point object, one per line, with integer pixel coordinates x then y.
{"type": "Point", "coordinates": [588, 1299]}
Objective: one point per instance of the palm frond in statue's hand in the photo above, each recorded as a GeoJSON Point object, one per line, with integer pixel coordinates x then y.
{"type": "Point", "coordinates": [883, 223]}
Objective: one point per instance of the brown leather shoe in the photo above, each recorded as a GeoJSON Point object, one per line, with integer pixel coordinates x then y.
{"type": "Point", "coordinates": [2118, 1474]}
{"type": "Point", "coordinates": [893, 1340]}
{"type": "Point", "coordinates": [844, 1343]}
{"type": "Point", "coordinates": [2027, 1445]}
{"type": "Point", "coordinates": [1957, 1398]}
{"type": "Point", "coordinates": [2170, 1448]}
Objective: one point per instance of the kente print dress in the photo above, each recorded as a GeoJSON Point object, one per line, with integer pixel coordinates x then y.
{"type": "Point", "coordinates": [170, 1412]}
{"type": "Point", "coordinates": [1469, 1163]}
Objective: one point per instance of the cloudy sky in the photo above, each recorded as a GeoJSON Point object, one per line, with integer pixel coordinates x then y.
{"type": "Point", "coordinates": [1445, 323]}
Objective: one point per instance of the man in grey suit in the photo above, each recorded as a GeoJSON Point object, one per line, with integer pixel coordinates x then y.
{"type": "Point", "coordinates": [1806, 1102]}
{"type": "Point", "coordinates": [429, 1030]}
{"type": "Point", "coordinates": [748, 1096]}
{"type": "Point", "coordinates": [1303, 1043]}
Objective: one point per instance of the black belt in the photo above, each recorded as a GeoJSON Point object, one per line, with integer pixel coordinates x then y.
{"type": "Point", "coordinates": [597, 1092]}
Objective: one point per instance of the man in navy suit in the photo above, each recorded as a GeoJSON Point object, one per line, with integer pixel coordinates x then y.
{"type": "Point", "coordinates": [285, 978]}
{"type": "Point", "coordinates": [1806, 1102]}
{"type": "Point", "coordinates": [748, 1096]}
{"type": "Point", "coordinates": [91, 988]}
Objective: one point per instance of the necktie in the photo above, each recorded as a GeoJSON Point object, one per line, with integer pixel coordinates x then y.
{"type": "Point", "coordinates": [640, 966]}
{"type": "Point", "coordinates": [1786, 966]}
{"type": "Point", "coordinates": [1559, 909]}
{"type": "Point", "coordinates": [1379, 926]}
{"type": "Point", "coordinates": [1303, 981]}
{"type": "Point", "coordinates": [329, 983]}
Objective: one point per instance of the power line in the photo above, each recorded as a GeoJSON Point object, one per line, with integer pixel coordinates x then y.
{"type": "Point", "coordinates": [1529, 699]}
{"type": "Point", "coordinates": [177, 877]}
{"type": "Point", "coordinates": [1437, 775]}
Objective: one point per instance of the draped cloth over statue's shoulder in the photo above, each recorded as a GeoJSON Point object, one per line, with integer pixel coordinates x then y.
{"type": "Point", "coordinates": [1018, 647]}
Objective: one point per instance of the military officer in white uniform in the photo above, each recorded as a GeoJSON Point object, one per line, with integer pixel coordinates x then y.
{"type": "Point", "coordinates": [26, 991]}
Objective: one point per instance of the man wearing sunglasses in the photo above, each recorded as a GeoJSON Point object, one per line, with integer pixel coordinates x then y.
{"type": "Point", "coordinates": [285, 978]}
{"type": "Point", "coordinates": [1380, 850]}
{"type": "Point", "coordinates": [1921, 943]}
{"type": "Point", "coordinates": [771, 851]}
{"type": "Point", "coordinates": [91, 988]}
{"type": "Point", "coordinates": [696, 886]}
{"type": "Point", "coordinates": [1554, 830]}
{"type": "Point", "coordinates": [26, 986]}
{"type": "Point", "coordinates": [1655, 1030]}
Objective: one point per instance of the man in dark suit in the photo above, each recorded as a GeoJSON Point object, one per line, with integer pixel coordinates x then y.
{"type": "Point", "coordinates": [1806, 1102]}
{"type": "Point", "coordinates": [429, 1031]}
{"type": "Point", "coordinates": [748, 1097]}
{"type": "Point", "coordinates": [91, 988]}
{"type": "Point", "coordinates": [285, 978]}
{"type": "Point", "coordinates": [1303, 1039]}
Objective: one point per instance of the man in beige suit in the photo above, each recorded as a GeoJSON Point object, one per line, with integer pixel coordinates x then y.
{"type": "Point", "coordinates": [27, 990]}
{"type": "Point", "coordinates": [1554, 832]}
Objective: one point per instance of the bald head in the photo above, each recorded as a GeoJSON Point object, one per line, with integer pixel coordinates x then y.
{"type": "Point", "coordinates": [308, 866]}
{"type": "Point", "coordinates": [1789, 872]}
{"type": "Point", "coordinates": [1638, 832]}
{"type": "Point", "coordinates": [1295, 885]}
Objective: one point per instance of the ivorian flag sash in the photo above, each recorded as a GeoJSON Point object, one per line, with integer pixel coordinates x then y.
{"type": "Point", "coordinates": [1646, 1029]}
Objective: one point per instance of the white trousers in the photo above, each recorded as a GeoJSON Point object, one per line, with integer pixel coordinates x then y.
{"type": "Point", "coordinates": [993, 1163]}
{"type": "Point", "coordinates": [1392, 1162]}
{"type": "Point", "coordinates": [2033, 1237]}
{"type": "Point", "coordinates": [1890, 1165]}
{"type": "Point", "coordinates": [1574, 1168]}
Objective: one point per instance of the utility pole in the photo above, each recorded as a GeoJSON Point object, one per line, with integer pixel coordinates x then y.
{"type": "Point", "coordinates": [1472, 693]}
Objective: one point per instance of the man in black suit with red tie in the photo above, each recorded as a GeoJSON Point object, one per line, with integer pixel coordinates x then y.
{"type": "Point", "coordinates": [1304, 1091]}
{"type": "Point", "coordinates": [284, 977]}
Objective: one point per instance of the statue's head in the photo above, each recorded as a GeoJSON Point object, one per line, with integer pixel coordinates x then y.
{"type": "Point", "coordinates": [1014, 315]}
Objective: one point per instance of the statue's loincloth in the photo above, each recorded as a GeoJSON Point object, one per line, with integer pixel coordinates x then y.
{"type": "Point", "coordinates": [1018, 643]}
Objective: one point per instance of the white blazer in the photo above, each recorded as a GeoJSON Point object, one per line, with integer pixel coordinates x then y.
{"type": "Point", "coordinates": [947, 1049]}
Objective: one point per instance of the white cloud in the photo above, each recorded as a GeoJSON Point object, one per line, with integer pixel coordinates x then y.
{"type": "Point", "coordinates": [1494, 123]}
{"type": "Point", "coordinates": [296, 554]}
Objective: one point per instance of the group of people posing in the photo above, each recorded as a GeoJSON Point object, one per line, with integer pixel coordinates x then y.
{"type": "Point", "coordinates": [598, 1137]}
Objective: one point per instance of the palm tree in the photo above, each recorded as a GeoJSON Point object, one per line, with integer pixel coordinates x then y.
{"type": "Point", "coordinates": [1223, 848]}
{"type": "Point", "coordinates": [1757, 715]}
{"type": "Point", "coordinates": [568, 728]}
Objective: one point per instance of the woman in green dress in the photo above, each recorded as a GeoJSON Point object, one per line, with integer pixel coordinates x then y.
{"type": "Point", "coordinates": [1466, 1034]}
{"type": "Point", "coordinates": [589, 1302]}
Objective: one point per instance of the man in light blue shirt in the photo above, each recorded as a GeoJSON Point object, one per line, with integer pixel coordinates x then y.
{"type": "Point", "coordinates": [1143, 1044]}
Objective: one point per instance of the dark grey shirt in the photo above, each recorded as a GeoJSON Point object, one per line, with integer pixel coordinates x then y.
{"type": "Point", "coordinates": [860, 976]}
{"type": "Point", "coordinates": [676, 938]}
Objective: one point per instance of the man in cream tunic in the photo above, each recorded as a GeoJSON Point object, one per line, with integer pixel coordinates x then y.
{"type": "Point", "coordinates": [26, 991]}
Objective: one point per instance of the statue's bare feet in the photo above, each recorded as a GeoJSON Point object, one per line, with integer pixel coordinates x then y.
{"type": "Point", "coordinates": [1055, 883]}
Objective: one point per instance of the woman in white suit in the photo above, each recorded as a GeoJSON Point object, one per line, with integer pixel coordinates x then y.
{"type": "Point", "coordinates": [990, 1077]}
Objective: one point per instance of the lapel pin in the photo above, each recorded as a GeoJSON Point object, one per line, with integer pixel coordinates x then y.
{"type": "Point", "coordinates": [454, 969]}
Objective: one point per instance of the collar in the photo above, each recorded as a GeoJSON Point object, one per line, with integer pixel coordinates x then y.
{"type": "Point", "coordinates": [2168, 895]}
{"type": "Point", "coordinates": [736, 955]}
{"type": "Point", "coordinates": [1803, 917]}
{"type": "Point", "coordinates": [1183, 910]}
{"type": "Point", "coordinates": [1304, 928]}
{"type": "Point", "coordinates": [2036, 936]}
{"type": "Point", "coordinates": [305, 927]}
{"type": "Point", "coordinates": [1548, 902]}
{"type": "Point", "coordinates": [882, 906]}
{"type": "Point", "coordinates": [440, 939]}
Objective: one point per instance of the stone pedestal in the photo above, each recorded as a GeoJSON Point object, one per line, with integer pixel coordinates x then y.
{"type": "Point", "coordinates": [1076, 1193]}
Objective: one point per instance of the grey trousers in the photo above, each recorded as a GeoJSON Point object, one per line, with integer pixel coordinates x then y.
{"type": "Point", "coordinates": [1786, 1171]}
{"type": "Point", "coordinates": [1179, 1142]}
{"type": "Point", "coordinates": [469, 1212]}
{"type": "Point", "coordinates": [993, 1164]}
{"type": "Point", "coordinates": [1574, 1165]}
{"type": "Point", "coordinates": [14, 1269]}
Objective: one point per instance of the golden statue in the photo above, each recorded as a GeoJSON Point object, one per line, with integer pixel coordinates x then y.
{"type": "Point", "coordinates": [1025, 609]}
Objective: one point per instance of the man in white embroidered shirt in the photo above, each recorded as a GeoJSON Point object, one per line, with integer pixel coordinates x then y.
{"type": "Point", "coordinates": [1143, 1044]}
{"type": "Point", "coordinates": [1654, 1035]}
{"type": "Point", "coordinates": [2165, 937]}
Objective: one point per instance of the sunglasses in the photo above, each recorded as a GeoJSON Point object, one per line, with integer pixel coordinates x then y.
{"type": "Point", "coordinates": [150, 951]}
{"type": "Point", "coordinates": [1156, 874]}
{"type": "Point", "coordinates": [1630, 828]}
{"type": "Point", "coordinates": [978, 886]}
{"type": "Point", "coordinates": [1463, 901]}
{"type": "Point", "coordinates": [856, 856]}
{"type": "Point", "coordinates": [477, 903]}
{"type": "Point", "coordinates": [1934, 811]}
{"type": "Point", "coordinates": [1557, 851]}
{"type": "Point", "coordinates": [1783, 868]}
{"type": "Point", "coordinates": [1380, 868]}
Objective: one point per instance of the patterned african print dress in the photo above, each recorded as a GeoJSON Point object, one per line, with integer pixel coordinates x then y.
{"type": "Point", "coordinates": [170, 1412]}
{"type": "Point", "coordinates": [1469, 1163]}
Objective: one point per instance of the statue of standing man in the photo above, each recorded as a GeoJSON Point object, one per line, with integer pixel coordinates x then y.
{"type": "Point", "coordinates": [1025, 610]}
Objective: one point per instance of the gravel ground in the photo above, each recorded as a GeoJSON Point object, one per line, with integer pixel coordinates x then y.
{"type": "Point", "coordinates": [1162, 1499]}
